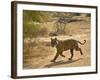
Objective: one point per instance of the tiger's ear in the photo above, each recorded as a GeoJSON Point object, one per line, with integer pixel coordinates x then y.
{"type": "Point", "coordinates": [55, 38]}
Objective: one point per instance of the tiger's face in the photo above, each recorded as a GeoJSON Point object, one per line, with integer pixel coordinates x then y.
{"type": "Point", "coordinates": [53, 42]}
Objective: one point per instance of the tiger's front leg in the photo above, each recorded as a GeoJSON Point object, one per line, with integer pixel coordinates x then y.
{"type": "Point", "coordinates": [61, 54]}
{"type": "Point", "coordinates": [56, 56]}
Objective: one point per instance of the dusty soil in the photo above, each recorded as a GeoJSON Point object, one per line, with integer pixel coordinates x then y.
{"type": "Point", "coordinates": [38, 52]}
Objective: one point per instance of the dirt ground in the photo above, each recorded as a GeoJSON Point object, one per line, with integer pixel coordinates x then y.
{"type": "Point", "coordinates": [39, 54]}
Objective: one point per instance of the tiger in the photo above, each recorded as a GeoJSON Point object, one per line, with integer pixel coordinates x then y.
{"type": "Point", "coordinates": [64, 45]}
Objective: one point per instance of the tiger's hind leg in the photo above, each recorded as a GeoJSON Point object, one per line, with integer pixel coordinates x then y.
{"type": "Point", "coordinates": [71, 51]}
{"type": "Point", "coordinates": [79, 49]}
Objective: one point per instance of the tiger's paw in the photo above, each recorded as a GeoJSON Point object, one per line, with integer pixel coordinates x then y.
{"type": "Point", "coordinates": [70, 58]}
{"type": "Point", "coordinates": [52, 61]}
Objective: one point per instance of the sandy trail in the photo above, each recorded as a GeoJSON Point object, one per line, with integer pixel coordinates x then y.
{"type": "Point", "coordinates": [41, 58]}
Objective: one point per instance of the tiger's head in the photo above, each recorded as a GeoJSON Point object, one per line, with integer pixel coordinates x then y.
{"type": "Point", "coordinates": [54, 42]}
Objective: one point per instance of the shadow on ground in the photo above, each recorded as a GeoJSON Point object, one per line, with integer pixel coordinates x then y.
{"type": "Point", "coordinates": [61, 62]}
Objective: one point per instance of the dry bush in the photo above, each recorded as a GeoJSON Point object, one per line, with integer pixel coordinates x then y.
{"type": "Point", "coordinates": [33, 49]}
{"type": "Point", "coordinates": [42, 31]}
{"type": "Point", "coordinates": [36, 52]}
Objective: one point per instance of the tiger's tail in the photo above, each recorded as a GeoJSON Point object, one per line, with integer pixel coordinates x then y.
{"type": "Point", "coordinates": [82, 43]}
